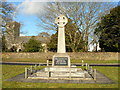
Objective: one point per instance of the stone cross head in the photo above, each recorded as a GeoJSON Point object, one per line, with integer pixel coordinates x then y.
{"type": "Point", "coordinates": [61, 20]}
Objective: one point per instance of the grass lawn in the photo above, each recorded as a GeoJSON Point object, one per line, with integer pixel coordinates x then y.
{"type": "Point", "coordinates": [13, 70]}
{"type": "Point", "coordinates": [44, 61]}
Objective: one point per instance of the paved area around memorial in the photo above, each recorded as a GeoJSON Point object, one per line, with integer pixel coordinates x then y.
{"type": "Point", "coordinates": [101, 79]}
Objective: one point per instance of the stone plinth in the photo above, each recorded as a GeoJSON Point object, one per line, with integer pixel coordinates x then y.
{"type": "Point", "coordinates": [62, 69]}
{"type": "Point", "coordinates": [61, 59]}
{"type": "Point", "coordinates": [61, 40]}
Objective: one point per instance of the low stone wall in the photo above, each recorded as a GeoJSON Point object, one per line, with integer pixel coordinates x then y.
{"type": "Point", "coordinates": [95, 55]}
{"type": "Point", "coordinates": [76, 56]}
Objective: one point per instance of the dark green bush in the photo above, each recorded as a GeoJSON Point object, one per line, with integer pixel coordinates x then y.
{"type": "Point", "coordinates": [33, 46]}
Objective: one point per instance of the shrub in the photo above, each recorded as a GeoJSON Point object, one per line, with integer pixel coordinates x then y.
{"type": "Point", "coordinates": [33, 46]}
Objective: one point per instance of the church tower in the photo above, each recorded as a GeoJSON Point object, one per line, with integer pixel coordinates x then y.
{"type": "Point", "coordinates": [12, 33]}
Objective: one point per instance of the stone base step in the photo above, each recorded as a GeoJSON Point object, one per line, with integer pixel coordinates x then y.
{"type": "Point", "coordinates": [63, 74]}
{"type": "Point", "coordinates": [63, 69]}
{"type": "Point", "coordinates": [60, 78]}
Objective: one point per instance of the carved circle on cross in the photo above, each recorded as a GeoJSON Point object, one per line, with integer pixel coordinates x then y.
{"type": "Point", "coordinates": [61, 20]}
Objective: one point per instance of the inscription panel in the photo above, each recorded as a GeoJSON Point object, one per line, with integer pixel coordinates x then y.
{"type": "Point", "coordinates": [61, 61]}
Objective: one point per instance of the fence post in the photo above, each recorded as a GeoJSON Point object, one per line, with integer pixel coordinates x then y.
{"type": "Point", "coordinates": [49, 73]}
{"type": "Point", "coordinates": [31, 69]}
{"type": "Point", "coordinates": [26, 72]}
{"type": "Point", "coordinates": [91, 70]}
{"type": "Point", "coordinates": [39, 65]}
{"type": "Point", "coordinates": [91, 67]}
{"type": "Point", "coordinates": [82, 63]}
{"type": "Point", "coordinates": [70, 73]}
{"type": "Point", "coordinates": [35, 67]}
{"type": "Point", "coordinates": [86, 66]}
{"type": "Point", "coordinates": [47, 62]}
{"type": "Point", "coordinates": [94, 74]}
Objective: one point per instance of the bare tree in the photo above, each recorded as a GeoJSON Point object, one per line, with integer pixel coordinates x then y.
{"type": "Point", "coordinates": [7, 13]}
{"type": "Point", "coordinates": [84, 14]}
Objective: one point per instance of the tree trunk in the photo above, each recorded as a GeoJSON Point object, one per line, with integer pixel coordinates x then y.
{"type": "Point", "coordinates": [86, 41]}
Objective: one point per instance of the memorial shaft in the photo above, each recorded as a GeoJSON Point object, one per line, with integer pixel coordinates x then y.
{"type": "Point", "coordinates": [61, 40]}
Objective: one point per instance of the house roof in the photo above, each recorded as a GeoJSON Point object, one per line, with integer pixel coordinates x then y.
{"type": "Point", "coordinates": [24, 39]}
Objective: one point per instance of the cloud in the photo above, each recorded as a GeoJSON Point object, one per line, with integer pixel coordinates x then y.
{"type": "Point", "coordinates": [29, 7]}
{"type": "Point", "coordinates": [22, 34]}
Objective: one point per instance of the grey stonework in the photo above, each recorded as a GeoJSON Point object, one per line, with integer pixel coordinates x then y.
{"type": "Point", "coordinates": [74, 56]}
{"type": "Point", "coordinates": [13, 37]}
{"type": "Point", "coordinates": [13, 32]}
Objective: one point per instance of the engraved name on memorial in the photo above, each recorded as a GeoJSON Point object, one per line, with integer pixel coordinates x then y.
{"type": "Point", "coordinates": [61, 61]}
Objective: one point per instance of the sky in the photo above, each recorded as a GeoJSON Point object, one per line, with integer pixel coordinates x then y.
{"type": "Point", "coordinates": [27, 11]}
{"type": "Point", "coordinates": [26, 14]}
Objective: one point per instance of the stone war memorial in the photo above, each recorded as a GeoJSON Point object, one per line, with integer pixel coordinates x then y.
{"type": "Point", "coordinates": [61, 70]}
{"type": "Point", "coordinates": [61, 58]}
{"type": "Point", "coordinates": [61, 66]}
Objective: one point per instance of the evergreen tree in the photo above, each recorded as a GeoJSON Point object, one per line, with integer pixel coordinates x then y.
{"type": "Point", "coordinates": [33, 45]}
{"type": "Point", "coordinates": [3, 44]}
{"type": "Point", "coordinates": [108, 31]}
